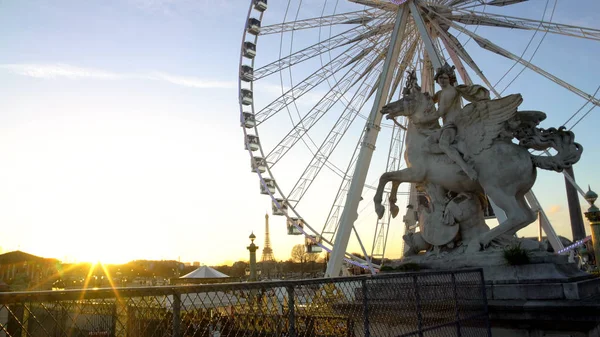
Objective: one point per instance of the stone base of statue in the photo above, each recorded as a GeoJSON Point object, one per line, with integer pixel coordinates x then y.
{"type": "Point", "coordinates": [546, 297]}
{"type": "Point", "coordinates": [547, 276]}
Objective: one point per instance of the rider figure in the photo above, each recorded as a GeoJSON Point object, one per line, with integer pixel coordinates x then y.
{"type": "Point", "coordinates": [449, 107]}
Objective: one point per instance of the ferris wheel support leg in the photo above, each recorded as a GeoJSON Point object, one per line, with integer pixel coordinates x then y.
{"type": "Point", "coordinates": [434, 55]}
{"type": "Point", "coordinates": [349, 214]}
{"type": "Point", "coordinates": [577, 227]}
{"type": "Point", "coordinates": [458, 63]}
{"type": "Point", "coordinates": [544, 221]}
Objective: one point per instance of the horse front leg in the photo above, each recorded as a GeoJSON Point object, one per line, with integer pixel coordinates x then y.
{"type": "Point", "coordinates": [394, 209]}
{"type": "Point", "coordinates": [378, 198]}
{"type": "Point", "coordinates": [407, 175]}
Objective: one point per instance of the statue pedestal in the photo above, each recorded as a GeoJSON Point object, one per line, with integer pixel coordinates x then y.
{"type": "Point", "coordinates": [546, 277]}
{"type": "Point", "coordinates": [547, 297]}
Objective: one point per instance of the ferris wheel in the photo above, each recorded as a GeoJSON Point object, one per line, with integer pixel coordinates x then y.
{"type": "Point", "coordinates": [314, 75]}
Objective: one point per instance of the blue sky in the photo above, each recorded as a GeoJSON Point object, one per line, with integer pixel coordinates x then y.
{"type": "Point", "coordinates": [119, 126]}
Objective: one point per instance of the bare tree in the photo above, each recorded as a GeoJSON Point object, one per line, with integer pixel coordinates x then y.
{"type": "Point", "coordinates": [300, 255]}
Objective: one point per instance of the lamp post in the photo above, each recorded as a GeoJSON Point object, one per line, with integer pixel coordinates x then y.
{"type": "Point", "coordinates": [252, 248]}
{"type": "Point", "coordinates": [593, 215]}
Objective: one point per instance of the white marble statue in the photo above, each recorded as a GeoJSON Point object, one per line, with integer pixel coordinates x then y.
{"type": "Point", "coordinates": [473, 154]}
{"type": "Point", "coordinates": [462, 222]}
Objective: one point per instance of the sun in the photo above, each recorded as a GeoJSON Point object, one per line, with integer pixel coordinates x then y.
{"type": "Point", "coordinates": [102, 258]}
{"type": "Point", "coordinates": [95, 251]}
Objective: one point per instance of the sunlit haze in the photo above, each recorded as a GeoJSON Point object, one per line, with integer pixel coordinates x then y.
{"type": "Point", "coordinates": [120, 136]}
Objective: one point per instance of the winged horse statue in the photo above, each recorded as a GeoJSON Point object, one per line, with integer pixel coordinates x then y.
{"type": "Point", "coordinates": [506, 170]}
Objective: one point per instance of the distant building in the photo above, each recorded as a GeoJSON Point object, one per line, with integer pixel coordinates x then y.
{"type": "Point", "coordinates": [196, 264]}
{"type": "Point", "coordinates": [23, 271]}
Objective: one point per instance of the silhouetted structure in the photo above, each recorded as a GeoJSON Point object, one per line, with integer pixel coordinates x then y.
{"type": "Point", "coordinates": [267, 253]}
{"type": "Point", "coordinates": [23, 271]}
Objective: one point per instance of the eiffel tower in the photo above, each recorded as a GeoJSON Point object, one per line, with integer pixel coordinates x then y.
{"type": "Point", "coordinates": [267, 253]}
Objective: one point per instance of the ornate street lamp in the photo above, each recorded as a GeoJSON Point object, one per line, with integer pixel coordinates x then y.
{"type": "Point", "coordinates": [593, 215]}
{"type": "Point", "coordinates": [252, 248]}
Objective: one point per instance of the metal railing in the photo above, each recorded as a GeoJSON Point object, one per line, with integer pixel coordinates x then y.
{"type": "Point", "coordinates": [403, 304]}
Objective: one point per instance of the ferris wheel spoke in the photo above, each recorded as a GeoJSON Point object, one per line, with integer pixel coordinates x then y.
{"type": "Point", "coordinates": [394, 160]}
{"type": "Point", "coordinates": [405, 50]}
{"type": "Point", "coordinates": [380, 237]}
{"type": "Point", "coordinates": [332, 140]}
{"type": "Point", "coordinates": [454, 46]}
{"type": "Point", "coordinates": [458, 3]}
{"type": "Point", "coordinates": [406, 60]}
{"type": "Point", "coordinates": [387, 6]}
{"type": "Point", "coordinates": [383, 29]}
{"type": "Point", "coordinates": [382, 230]}
{"type": "Point", "coordinates": [394, 163]}
{"type": "Point", "coordinates": [333, 218]}
{"type": "Point", "coordinates": [309, 52]}
{"type": "Point", "coordinates": [316, 113]}
{"type": "Point", "coordinates": [477, 3]}
{"type": "Point", "coordinates": [472, 19]}
{"type": "Point", "coordinates": [505, 21]}
{"type": "Point", "coordinates": [501, 3]}
{"type": "Point", "coordinates": [361, 17]}
{"type": "Point", "coordinates": [397, 147]}
{"type": "Point", "coordinates": [311, 81]}
{"type": "Point", "coordinates": [364, 251]}
{"type": "Point", "coordinates": [450, 49]}
{"type": "Point", "coordinates": [374, 31]}
{"type": "Point", "coordinates": [378, 59]}
{"type": "Point", "coordinates": [455, 3]}
{"type": "Point", "coordinates": [488, 45]}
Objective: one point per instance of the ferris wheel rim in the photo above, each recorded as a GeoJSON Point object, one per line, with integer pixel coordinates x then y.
{"type": "Point", "coordinates": [351, 259]}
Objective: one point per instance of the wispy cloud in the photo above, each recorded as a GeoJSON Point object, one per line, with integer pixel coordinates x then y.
{"type": "Point", "coordinates": [189, 81]}
{"type": "Point", "coordinates": [52, 71]}
{"type": "Point", "coordinates": [554, 209]}
{"type": "Point", "coordinates": [175, 7]}
{"type": "Point", "coordinates": [59, 70]}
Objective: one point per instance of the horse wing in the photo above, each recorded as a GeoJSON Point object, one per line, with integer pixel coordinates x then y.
{"type": "Point", "coordinates": [483, 121]}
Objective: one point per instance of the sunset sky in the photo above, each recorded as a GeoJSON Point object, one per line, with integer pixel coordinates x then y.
{"type": "Point", "coordinates": [120, 137]}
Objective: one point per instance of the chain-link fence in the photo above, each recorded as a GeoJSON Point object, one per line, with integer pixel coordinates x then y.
{"type": "Point", "coordinates": [407, 304]}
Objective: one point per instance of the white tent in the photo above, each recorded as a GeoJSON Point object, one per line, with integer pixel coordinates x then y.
{"type": "Point", "coordinates": [204, 272]}
{"type": "Point", "coordinates": [213, 299]}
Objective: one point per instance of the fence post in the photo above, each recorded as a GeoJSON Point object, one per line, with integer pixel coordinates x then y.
{"type": "Point", "coordinates": [418, 303]}
{"type": "Point", "coordinates": [291, 312]}
{"type": "Point", "coordinates": [176, 314]}
{"type": "Point", "coordinates": [14, 321]}
{"type": "Point", "coordinates": [456, 305]}
{"type": "Point", "coordinates": [115, 319]}
{"type": "Point", "coordinates": [485, 303]}
{"type": "Point", "coordinates": [350, 327]}
{"type": "Point", "coordinates": [366, 308]}
{"type": "Point", "coordinates": [121, 317]}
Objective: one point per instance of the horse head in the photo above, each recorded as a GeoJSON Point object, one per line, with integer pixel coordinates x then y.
{"type": "Point", "coordinates": [417, 106]}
